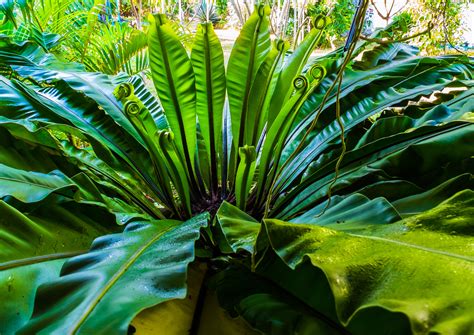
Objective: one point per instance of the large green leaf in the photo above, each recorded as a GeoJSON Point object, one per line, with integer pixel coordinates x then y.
{"type": "Point", "coordinates": [35, 245]}
{"type": "Point", "coordinates": [30, 186]}
{"type": "Point", "coordinates": [121, 275]}
{"type": "Point", "coordinates": [95, 86]}
{"type": "Point", "coordinates": [113, 175]}
{"type": "Point", "coordinates": [58, 174]}
{"type": "Point", "coordinates": [413, 204]}
{"type": "Point", "coordinates": [79, 98]}
{"type": "Point", "coordinates": [248, 53]}
{"type": "Point", "coordinates": [20, 149]}
{"type": "Point", "coordinates": [208, 62]}
{"type": "Point", "coordinates": [385, 136]}
{"type": "Point", "coordinates": [29, 54]}
{"type": "Point", "coordinates": [61, 108]}
{"type": "Point", "coordinates": [378, 54]}
{"type": "Point", "coordinates": [17, 179]}
{"type": "Point", "coordinates": [174, 81]}
{"type": "Point", "coordinates": [36, 234]}
{"type": "Point", "coordinates": [417, 269]}
{"type": "Point", "coordinates": [18, 294]}
{"type": "Point", "coordinates": [262, 90]}
{"type": "Point", "coordinates": [353, 210]}
{"type": "Point", "coordinates": [235, 229]}
{"type": "Point", "coordinates": [457, 108]}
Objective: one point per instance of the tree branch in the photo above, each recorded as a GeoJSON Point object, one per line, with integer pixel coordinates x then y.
{"type": "Point", "coordinates": [387, 41]}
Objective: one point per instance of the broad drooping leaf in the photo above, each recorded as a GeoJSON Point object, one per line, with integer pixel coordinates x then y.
{"type": "Point", "coordinates": [236, 230]}
{"type": "Point", "coordinates": [354, 209]}
{"type": "Point", "coordinates": [119, 276]}
{"type": "Point", "coordinates": [30, 186]}
{"type": "Point", "coordinates": [100, 123]}
{"type": "Point", "coordinates": [18, 295]}
{"type": "Point", "coordinates": [409, 272]}
{"type": "Point", "coordinates": [45, 218]}
{"type": "Point", "coordinates": [35, 245]}
{"type": "Point", "coordinates": [96, 86]}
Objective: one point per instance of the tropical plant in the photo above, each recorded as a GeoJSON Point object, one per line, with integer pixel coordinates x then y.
{"type": "Point", "coordinates": [434, 25]}
{"type": "Point", "coordinates": [114, 48]}
{"type": "Point", "coordinates": [340, 13]}
{"type": "Point", "coordinates": [207, 11]}
{"type": "Point", "coordinates": [54, 16]}
{"type": "Point", "coordinates": [77, 31]}
{"type": "Point", "coordinates": [325, 197]}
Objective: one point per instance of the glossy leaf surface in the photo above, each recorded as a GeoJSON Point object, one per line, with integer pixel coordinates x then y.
{"type": "Point", "coordinates": [148, 259]}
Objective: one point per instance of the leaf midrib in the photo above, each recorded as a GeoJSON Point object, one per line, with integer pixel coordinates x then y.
{"type": "Point", "coordinates": [38, 259]}
{"type": "Point", "coordinates": [414, 246]}
{"type": "Point", "coordinates": [175, 101]}
{"type": "Point", "coordinates": [210, 106]}
{"type": "Point", "coordinates": [19, 181]}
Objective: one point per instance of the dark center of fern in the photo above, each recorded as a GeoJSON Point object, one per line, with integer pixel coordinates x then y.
{"type": "Point", "coordinates": [211, 203]}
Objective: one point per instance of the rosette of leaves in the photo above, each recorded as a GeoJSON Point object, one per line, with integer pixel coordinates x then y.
{"type": "Point", "coordinates": [232, 173]}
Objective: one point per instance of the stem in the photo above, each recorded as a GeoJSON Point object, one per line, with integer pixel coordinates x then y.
{"type": "Point", "coordinates": [386, 42]}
